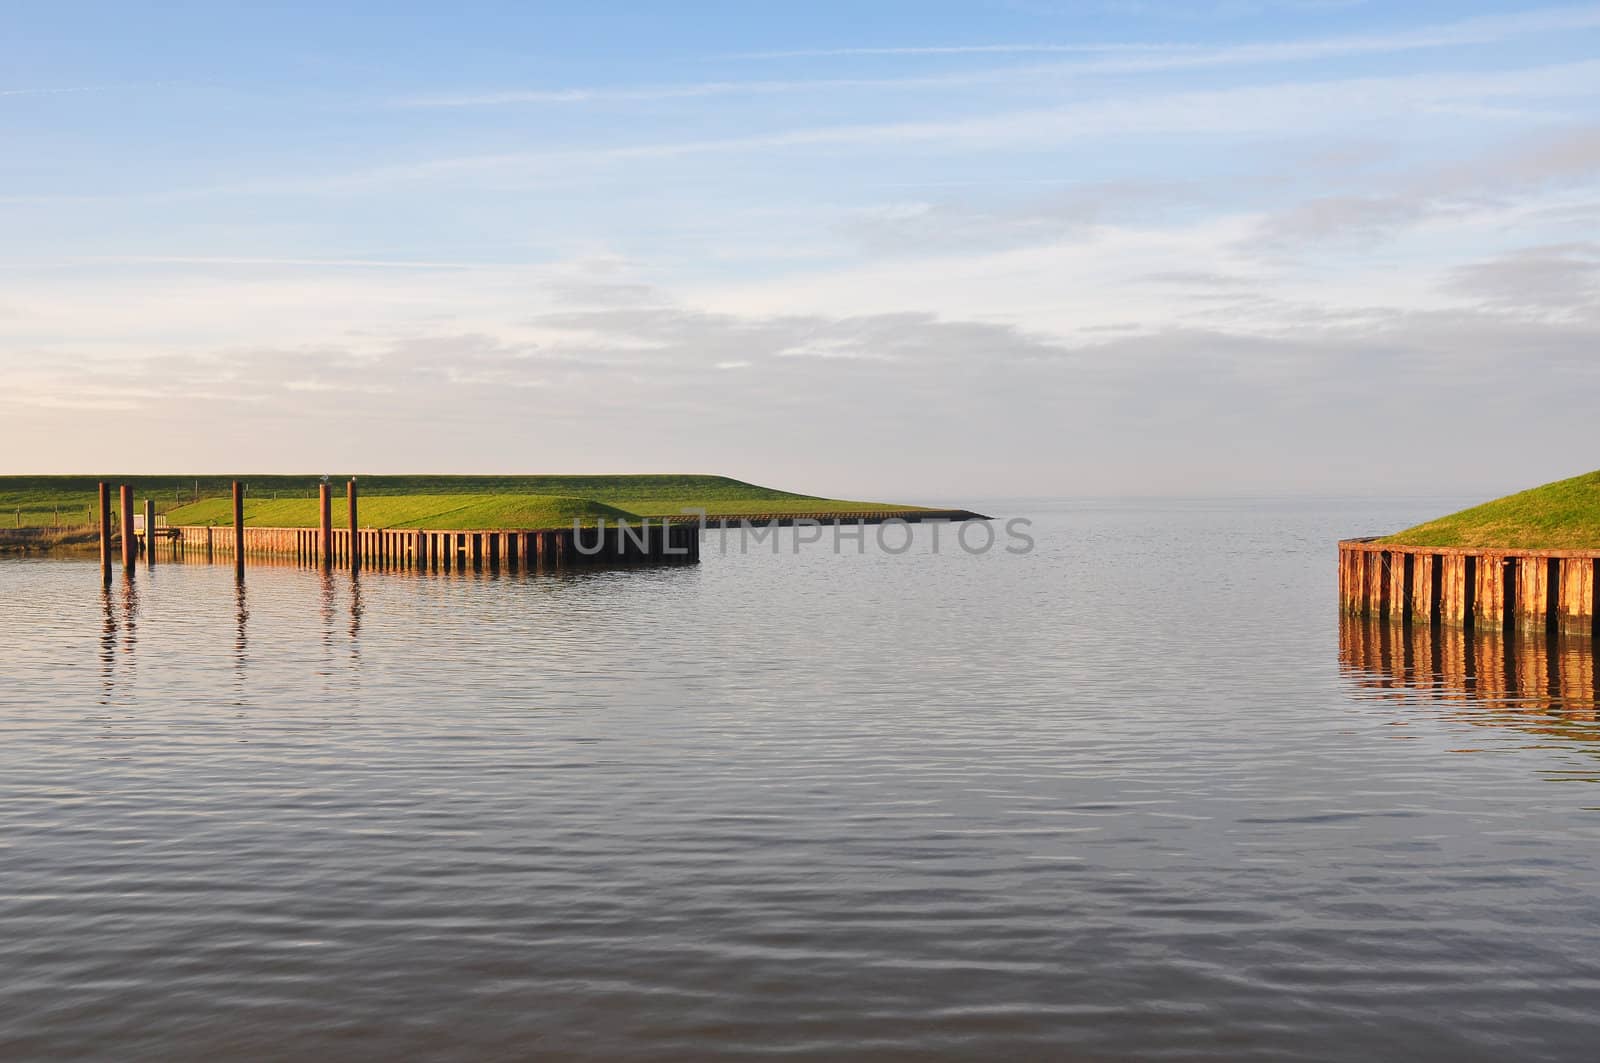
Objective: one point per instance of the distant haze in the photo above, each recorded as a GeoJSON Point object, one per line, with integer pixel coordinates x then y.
{"type": "Point", "coordinates": [913, 251]}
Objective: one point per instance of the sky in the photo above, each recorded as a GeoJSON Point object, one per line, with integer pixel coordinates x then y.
{"type": "Point", "coordinates": [917, 251]}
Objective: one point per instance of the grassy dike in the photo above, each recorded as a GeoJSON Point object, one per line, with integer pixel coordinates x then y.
{"type": "Point", "coordinates": [440, 502]}
{"type": "Point", "coordinates": [1564, 515]}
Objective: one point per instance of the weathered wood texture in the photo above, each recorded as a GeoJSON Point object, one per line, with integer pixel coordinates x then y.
{"type": "Point", "coordinates": [1533, 590]}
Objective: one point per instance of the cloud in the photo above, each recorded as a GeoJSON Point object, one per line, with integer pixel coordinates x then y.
{"type": "Point", "coordinates": [1110, 60]}
{"type": "Point", "coordinates": [937, 227]}
{"type": "Point", "coordinates": [1511, 176]}
{"type": "Point", "coordinates": [1552, 277]}
{"type": "Point", "coordinates": [1286, 107]}
{"type": "Point", "coordinates": [907, 404]}
{"type": "Point", "coordinates": [1478, 29]}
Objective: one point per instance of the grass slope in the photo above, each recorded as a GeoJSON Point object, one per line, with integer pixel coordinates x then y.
{"type": "Point", "coordinates": [1564, 515]}
{"type": "Point", "coordinates": [409, 511]}
{"type": "Point", "coordinates": [34, 501]}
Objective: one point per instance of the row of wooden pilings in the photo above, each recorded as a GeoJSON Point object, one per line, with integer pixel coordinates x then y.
{"type": "Point", "coordinates": [131, 543]}
{"type": "Point", "coordinates": [621, 542]}
{"type": "Point", "coordinates": [1530, 590]}
{"type": "Point", "coordinates": [430, 550]}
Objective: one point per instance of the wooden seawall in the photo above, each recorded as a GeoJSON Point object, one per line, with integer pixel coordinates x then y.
{"type": "Point", "coordinates": [431, 550]}
{"type": "Point", "coordinates": [1470, 588]}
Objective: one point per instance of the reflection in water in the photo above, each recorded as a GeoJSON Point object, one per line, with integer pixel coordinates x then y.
{"type": "Point", "coordinates": [633, 814]}
{"type": "Point", "coordinates": [108, 644]}
{"type": "Point", "coordinates": [241, 615]}
{"type": "Point", "coordinates": [1546, 684]}
{"type": "Point", "coordinates": [325, 600]}
{"type": "Point", "coordinates": [356, 609]}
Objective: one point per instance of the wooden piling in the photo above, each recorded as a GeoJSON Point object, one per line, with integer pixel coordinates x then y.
{"type": "Point", "coordinates": [130, 545]}
{"type": "Point", "coordinates": [149, 531]}
{"type": "Point", "coordinates": [105, 533]}
{"type": "Point", "coordinates": [355, 547]}
{"type": "Point", "coordinates": [1530, 590]}
{"type": "Point", "coordinates": [238, 529]}
{"type": "Point", "coordinates": [325, 523]}
{"type": "Point", "coordinates": [1535, 583]}
{"type": "Point", "coordinates": [1490, 603]}
{"type": "Point", "coordinates": [1576, 597]}
{"type": "Point", "coordinates": [1456, 593]}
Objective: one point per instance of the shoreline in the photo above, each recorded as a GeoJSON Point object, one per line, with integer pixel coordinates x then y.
{"type": "Point", "coordinates": [303, 541]}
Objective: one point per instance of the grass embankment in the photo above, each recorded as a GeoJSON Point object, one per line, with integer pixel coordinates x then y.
{"type": "Point", "coordinates": [1564, 515]}
{"type": "Point", "coordinates": [441, 512]}
{"type": "Point", "coordinates": [44, 501]}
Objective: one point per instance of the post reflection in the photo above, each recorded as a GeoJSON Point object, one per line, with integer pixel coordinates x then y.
{"type": "Point", "coordinates": [357, 608]}
{"type": "Point", "coordinates": [119, 635]}
{"type": "Point", "coordinates": [1530, 680]}
{"type": "Point", "coordinates": [326, 602]}
{"type": "Point", "coordinates": [241, 641]}
{"type": "Point", "coordinates": [108, 643]}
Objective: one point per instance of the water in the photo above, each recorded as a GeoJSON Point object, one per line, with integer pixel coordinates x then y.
{"type": "Point", "coordinates": [1134, 795]}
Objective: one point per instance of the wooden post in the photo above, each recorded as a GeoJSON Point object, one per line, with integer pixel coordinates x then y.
{"type": "Point", "coordinates": [130, 545]}
{"type": "Point", "coordinates": [355, 545]}
{"type": "Point", "coordinates": [1490, 603]}
{"type": "Point", "coordinates": [149, 531]}
{"type": "Point", "coordinates": [1538, 584]}
{"type": "Point", "coordinates": [1400, 577]}
{"type": "Point", "coordinates": [1455, 593]}
{"type": "Point", "coordinates": [1577, 596]}
{"type": "Point", "coordinates": [1377, 595]}
{"type": "Point", "coordinates": [1424, 589]}
{"type": "Point", "coordinates": [238, 529]}
{"type": "Point", "coordinates": [325, 515]}
{"type": "Point", "coordinates": [105, 533]}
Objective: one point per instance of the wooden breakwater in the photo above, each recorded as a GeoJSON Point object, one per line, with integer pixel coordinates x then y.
{"type": "Point", "coordinates": [438, 550]}
{"type": "Point", "coordinates": [620, 541]}
{"type": "Point", "coordinates": [1550, 590]}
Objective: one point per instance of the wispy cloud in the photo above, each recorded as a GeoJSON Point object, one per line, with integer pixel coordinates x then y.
{"type": "Point", "coordinates": [1113, 59]}
{"type": "Point", "coordinates": [1481, 29]}
{"type": "Point", "coordinates": [72, 90]}
{"type": "Point", "coordinates": [1279, 106]}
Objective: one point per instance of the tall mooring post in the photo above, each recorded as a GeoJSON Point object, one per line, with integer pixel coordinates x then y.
{"type": "Point", "coordinates": [325, 511]}
{"type": "Point", "coordinates": [149, 531]}
{"type": "Point", "coordinates": [355, 547]}
{"type": "Point", "coordinates": [130, 545]}
{"type": "Point", "coordinates": [105, 533]}
{"type": "Point", "coordinates": [238, 529]}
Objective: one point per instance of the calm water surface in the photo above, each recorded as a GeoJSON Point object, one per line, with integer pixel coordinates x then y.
{"type": "Point", "coordinates": [1133, 796]}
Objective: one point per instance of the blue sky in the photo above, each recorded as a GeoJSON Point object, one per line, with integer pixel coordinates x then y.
{"type": "Point", "coordinates": [873, 249]}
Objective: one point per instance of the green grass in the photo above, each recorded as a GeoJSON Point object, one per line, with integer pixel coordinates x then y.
{"type": "Point", "coordinates": [409, 511]}
{"type": "Point", "coordinates": [36, 501]}
{"type": "Point", "coordinates": [1564, 515]}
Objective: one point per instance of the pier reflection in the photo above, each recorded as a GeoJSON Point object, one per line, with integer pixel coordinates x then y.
{"type": "Point", "coordinates": [1537, 682]}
